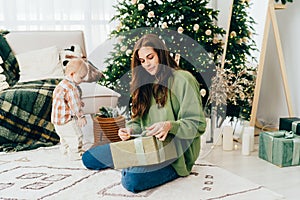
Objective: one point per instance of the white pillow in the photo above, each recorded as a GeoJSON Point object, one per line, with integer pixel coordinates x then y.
{"type": "Point", "coordinates": [94, 96]}
{"type": "Point", "coordinates": [40, 64]}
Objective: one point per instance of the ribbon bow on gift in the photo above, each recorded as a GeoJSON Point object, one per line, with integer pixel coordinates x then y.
{"type": "Point", "coordinates": [289, 134]}
{"type": "Point", "coordinates": [285, 134]}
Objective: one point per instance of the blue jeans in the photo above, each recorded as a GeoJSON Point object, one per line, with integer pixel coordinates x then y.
{"type": "Point", "coordinates": [134, 179]}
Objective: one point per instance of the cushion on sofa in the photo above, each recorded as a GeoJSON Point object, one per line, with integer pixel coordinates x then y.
{"type": "Point", "coordinates": [95, 96]}
{"type": "Point", "coordinates": [40, 64]}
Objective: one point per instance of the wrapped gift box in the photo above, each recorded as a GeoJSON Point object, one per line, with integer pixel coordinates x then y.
{"type": "Point", "coordinates": [142, 151]}
{"type": "Point", "coordinates": [290, 124]}
{"type": "Point", "coordinates": [275, 148]}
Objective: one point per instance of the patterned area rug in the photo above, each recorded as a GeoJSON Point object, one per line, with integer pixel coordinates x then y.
{"type": "Point", "coordinates": [45, 174]}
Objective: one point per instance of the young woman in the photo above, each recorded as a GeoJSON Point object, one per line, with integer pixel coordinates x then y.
{"type": "Point", "coordinates": [166, 103]}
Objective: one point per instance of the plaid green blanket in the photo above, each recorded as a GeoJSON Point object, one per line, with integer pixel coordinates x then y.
{"type": "Point", "coordinates": [10, 64]}
{"type": "Point", "coordinates": [25, 115]}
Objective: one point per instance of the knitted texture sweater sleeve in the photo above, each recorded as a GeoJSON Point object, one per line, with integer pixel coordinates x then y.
{"type": "Point", "coordinates": [187, 106]}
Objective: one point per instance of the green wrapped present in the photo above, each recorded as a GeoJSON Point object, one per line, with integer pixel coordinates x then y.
{"type": "Point", "coordinates": [142, 151]}
{"type": "Point", "coordinates": [290, 124]}
{"type": "Point", "coordinates": [279, 148]}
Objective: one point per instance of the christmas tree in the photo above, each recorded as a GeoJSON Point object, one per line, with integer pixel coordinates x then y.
{"type": "Point", "coordinates": [188, 28]}
{"type": "Point", "coordinates": [240, 66]}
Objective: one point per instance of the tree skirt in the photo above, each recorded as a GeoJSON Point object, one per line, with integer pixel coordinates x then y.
{"type": "Point", "coordinates": [45, 174]}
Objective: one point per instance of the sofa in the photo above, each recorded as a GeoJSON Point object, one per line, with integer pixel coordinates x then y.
{"type": "Point", "coordinates": [39, 56]}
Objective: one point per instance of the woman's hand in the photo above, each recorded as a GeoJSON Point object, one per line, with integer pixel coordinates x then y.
{"type": "Point", "coordinates": [124, 133]}
{"type": "Point", "coordinates": [160, 130]}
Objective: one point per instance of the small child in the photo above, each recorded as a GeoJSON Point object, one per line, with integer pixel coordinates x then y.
{"type": "Point", "coordinates": [67, 115]}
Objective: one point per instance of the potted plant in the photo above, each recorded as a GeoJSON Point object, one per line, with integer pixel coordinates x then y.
{"type": "Point", "coordinates": [106, 124]}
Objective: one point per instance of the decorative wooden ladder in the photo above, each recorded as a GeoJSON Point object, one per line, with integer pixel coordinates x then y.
{"type": "Point", "coordinates": [271, 17]}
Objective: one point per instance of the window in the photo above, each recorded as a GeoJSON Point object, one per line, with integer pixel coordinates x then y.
{"type": "Point", "coordinates": [91, 16]}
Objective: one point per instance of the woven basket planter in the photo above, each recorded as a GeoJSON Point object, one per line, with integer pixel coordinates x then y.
{"type": "Point", "coordinates": [107, 128]}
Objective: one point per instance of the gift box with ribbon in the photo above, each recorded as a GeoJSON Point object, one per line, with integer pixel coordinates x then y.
{"type": "Point", "coordinates": [142, 151]}
{"type": "Point", "coordinates": [282, 148]}
{"type": "Point", "coordinates": [290, 124]}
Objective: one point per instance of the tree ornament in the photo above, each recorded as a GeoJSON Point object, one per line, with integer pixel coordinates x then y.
{"type": "Point", "coordinates": [208, 32]}
{"type": "Point", "coordinates": [245, 40]}
{"type": "Point", "coordinates": [196, 27]}
{"type": "Point", "coordinates": [164, 25]}
{"type": "Point", "coordinates": [233, 34]}
{"type": "Point", "coordinates": [128, 52]}
{"type": "Point", "coordinates": [215, 40]}
{"type": "Point", "coordinates": [180, 29]}
{"type": "Point", "coordinates": [239, 41]}
{"type": "Point", "coordinates": [141, 6]}
{"type": "Point", "coordinates": [123, 48]}
{"type": "Point", "coordinates": [151, 14]}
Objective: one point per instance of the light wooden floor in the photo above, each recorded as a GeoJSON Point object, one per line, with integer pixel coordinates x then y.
{"type": "Point", "coordinates": [284, 181]}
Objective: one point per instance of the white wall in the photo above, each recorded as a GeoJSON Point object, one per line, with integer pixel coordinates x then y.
{"type": "Point", "coordinates": [224, 7]}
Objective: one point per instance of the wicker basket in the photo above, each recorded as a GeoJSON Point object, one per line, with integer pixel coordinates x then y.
{"type": "Point", "coordinates": [107, 128]}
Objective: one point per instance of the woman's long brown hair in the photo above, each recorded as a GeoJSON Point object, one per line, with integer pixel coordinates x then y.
{"type": "Point", "coordinates": [142, 85]}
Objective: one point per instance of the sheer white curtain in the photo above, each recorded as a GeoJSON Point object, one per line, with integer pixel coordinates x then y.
{"type": "Point", "coordinates": [91, 16]}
